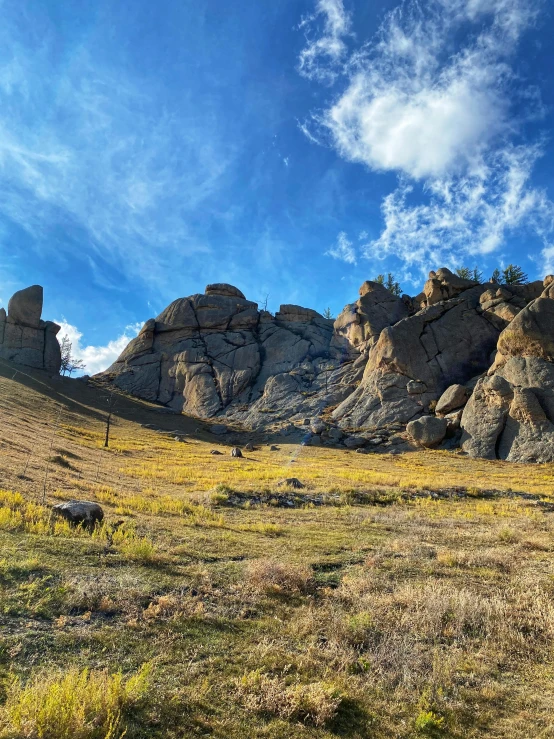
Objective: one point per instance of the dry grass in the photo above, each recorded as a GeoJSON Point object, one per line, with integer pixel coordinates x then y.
{"type": "Point", "coordinates": [270, 576]}
{"type": "Point", "coordinates": [314, 703]}
{"type": "Point", "coordinates": [413, 617]}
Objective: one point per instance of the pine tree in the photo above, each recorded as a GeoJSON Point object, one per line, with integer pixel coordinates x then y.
{"type": "Point", "coordinates": [327, 314]}
{"type": "Point", "coordinates": [514, 275]}
{"type": "Point", "coordinates": [496, 276]}
{"type": "Point", "coordinates": [390, 283]}
{"type": "Point", "coordinates": [466, 273]}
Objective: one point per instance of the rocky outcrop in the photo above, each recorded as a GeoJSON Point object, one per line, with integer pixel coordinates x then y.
{"type": "Point", "coordinates": [25, 338]}
{"type": "Point", "coordinates": [443, 285]}
{"type": "Point", "coordinates": [414, 361]}
{"type": "Point", "coordinates": [511, 412]}
{"type": "Point", "coordinates": [214, 353]}
{"type": "Point", "coordinates": [385, 363]}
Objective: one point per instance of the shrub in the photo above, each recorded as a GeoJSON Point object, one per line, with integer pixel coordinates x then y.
{"type": "Point", "coordinates": [269, 529]}
{"type": "Point", "coordinates": [271, 576]}
{"type": "Point", "coordinates": [313, 703]}
{"type": "Point", "coordinates": [72, 704]}
{"type": "Point", "coordinates": [428, 723]}
{"type": "Point", "coordinates": [16, 514]}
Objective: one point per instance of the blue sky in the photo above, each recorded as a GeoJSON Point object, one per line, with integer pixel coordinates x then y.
{"type": "Point", "coordinates": [293, 149]}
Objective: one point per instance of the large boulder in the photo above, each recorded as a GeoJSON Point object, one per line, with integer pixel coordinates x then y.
{"type": "Point", "coordinates": [427, 431]}
{"type": "Point", "coordinates": [26, 339]}
{"type": "Point", "coordinates": [511, 412]}
{"type": "Point", "coordinates": [443, 285]}
{"type": "Point", "coordinates": [453, 397]}
{"type": "Point", "coordinates": [222, 288]}
{"type": "Point", "coordinates": [510, 415]}
{"type": "Point", "coordinates": [25, 306]}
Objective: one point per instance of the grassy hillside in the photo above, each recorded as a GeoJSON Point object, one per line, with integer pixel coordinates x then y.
{"type": "Point", "coordinates": [393, 596]}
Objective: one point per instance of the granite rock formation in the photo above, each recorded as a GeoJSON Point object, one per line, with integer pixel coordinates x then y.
{"type": "Point", "coordinates": [385, 362]}
{"type": "Point", "coordinates": [25, 338]}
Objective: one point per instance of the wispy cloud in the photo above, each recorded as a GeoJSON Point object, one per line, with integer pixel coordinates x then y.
{"type": "Point", "coordinates": [325, 48]}
{"type": "Point", "coordinates": [448, 116]}
{"type": "Point", "coordinates": [108, 162]}
{"type": "Point", "coordinates": [96, 358]}
{"type": "Point", "coordinates": [343, 250]}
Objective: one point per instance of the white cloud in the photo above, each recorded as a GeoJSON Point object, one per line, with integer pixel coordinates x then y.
{"type": "Point", "coordinates": [322, 55]}
{"type": "Point", "coordinates": [547, 255]}
{"type": "Point", "coordinates": [343, 250]}
{"type": "Point", "coordinates": [413, 106]}
{"type": "Point", "coordinates": [464, 216]}
{"type": "Point", "coordinates": [96, 358]}
{"type": "Point", "coordinates": [434, 98]}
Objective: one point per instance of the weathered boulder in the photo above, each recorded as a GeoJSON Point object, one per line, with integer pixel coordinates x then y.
{"type": "Point", "coordinates": [453, 397]}
{"type": "Point", "coordinates": [358, 326]}
{"type": "Point", "coordinates": [511, 412]}
{"type": "Point", "coordinates": [26, 339]}
{"type": "Point", "coordinates": [531, 333]}
{"type": "Point", "coordinates": [427, 431]}
{"type": "Point", "coordinates": [510, 415]}
{"type": "Point", "coordinates": [222, 288]}
{"type": "Point", "coordinates": [353, 442]}
{"type": "Point", "coordinates": [292, 482]}
{"type": "Point", "coordinates": [443, 285]}
{"type": "Point", "coordinates": [80, 513]}
{"type": "Point", "coordinates": [25, 306]}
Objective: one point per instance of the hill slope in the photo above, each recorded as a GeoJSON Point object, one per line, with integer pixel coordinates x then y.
{"type": "Point", "coordinates": [392, 596]}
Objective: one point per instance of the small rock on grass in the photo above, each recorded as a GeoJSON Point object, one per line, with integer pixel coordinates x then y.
{"type": "Point", "coordinates": [273, 448]}
{"type": "Point", "coordinates": [236, 452]}
{"type": "Point", "coordinates": [80, 512]}
{"type": "Point", "coordinates": [216, 451]}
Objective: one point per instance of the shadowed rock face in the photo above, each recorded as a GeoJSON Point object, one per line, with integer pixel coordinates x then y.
{"type": "Point", "coordinates": [26, 339]}
{"type": "Point", "coordinates": [214, 352]}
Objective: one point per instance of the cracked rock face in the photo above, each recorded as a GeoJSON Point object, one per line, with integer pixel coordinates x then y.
{"type": "Point", "coordinates": [217, 352]}
{"type": "Point", "coordinates": [359, 325]}
{"type": "Point", "coordinates": [414, 361]}
{"type": "Point", "coordinates": [24, 338]}
{"type": "Point", "coordinates": [511, 412]}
